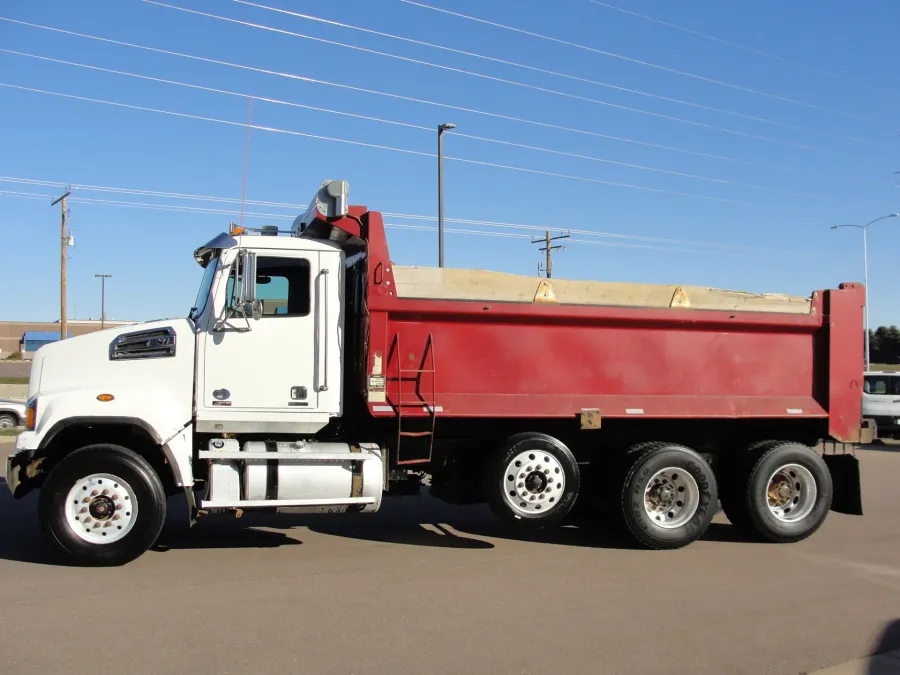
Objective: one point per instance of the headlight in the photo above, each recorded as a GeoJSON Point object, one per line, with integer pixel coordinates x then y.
{"type": "Point", "coordinates": [31, 415]}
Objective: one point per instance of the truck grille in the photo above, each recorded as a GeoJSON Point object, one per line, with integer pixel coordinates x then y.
{"type": "Point", "coordinates": [145, 344]}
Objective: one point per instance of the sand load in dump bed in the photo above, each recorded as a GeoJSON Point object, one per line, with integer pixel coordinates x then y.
{"type": "Point", "coordinates": [460, 284]}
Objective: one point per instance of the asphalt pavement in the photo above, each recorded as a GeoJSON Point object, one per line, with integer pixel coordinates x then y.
{"type": "Point", "coordinates": [424, 588]}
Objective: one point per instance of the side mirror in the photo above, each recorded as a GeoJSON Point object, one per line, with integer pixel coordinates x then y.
{"type": "Point", "coordinates": [248, 278]}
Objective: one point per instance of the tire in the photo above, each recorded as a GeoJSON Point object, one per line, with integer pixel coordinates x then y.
{"type": "Point", "coordinates": [120, 521]}
{"type": "Point", "coordinates": [733, 482]}
{"type": "Point", "coordinates": [546, 480]}
{"type": "Point", "coordinates": [652, 512]}
{"type": "Point", "coordinates": [8, 421]}
{"type": "Point", "coordinates": [795, 513]}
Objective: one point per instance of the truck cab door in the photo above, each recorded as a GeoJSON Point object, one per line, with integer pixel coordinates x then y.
{"type": "Point", "coordinates": [259, 374]}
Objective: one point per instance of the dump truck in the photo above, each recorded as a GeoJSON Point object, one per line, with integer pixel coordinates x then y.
{"type": "Point", "coordinates": [313, 374]}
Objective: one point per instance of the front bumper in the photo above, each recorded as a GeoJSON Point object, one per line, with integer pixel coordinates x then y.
{"type": "Point", "coordinates": [22, 467]}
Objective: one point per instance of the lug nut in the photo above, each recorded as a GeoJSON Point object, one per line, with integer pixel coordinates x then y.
{"type": "Point", "coordinates": [96, 525]}
{"type": "Point", "coordinates": [105, 491]}
{"type": "Point", "coordinates": [115, 517]}
{"type": "Point", "coordinates": [83, 509]}
{"type": "Point", "coordinates": [115, 497]}
{"type": "Point", "coordinates": [118, 507]}
{"type": "Point", "coordinates": [107, 524]}
{"type": "Point", "coordinates": [94, 493]}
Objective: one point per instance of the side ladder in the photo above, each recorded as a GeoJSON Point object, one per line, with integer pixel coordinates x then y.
{"type": "Point", "coordinates": [429, 405]}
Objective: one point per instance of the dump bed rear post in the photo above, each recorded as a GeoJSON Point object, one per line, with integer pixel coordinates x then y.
{"type": "Point", "coordinates": [843, 309]}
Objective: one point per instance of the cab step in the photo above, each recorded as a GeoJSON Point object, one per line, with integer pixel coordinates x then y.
{"type": "Point", "coordinates": [296, 456]}
{"type": "Point", "coordinates": [263, 503]}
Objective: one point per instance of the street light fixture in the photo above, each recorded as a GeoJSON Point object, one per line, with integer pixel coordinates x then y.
{"type": "Point", "coordinates": [441, 129]}
{"type": "Point", "coordinates": [103, 278]}
{"type": "Point", "coordinates": [864, 229]}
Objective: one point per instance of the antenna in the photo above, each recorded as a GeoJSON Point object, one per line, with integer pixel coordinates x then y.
{"type": "Point", "coordinates": [548, 250]}
{"type": "Point", "coordinates": [246, 156]}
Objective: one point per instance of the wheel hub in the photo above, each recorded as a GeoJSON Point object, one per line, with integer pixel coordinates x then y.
{"type": "Point", "coordinates": [533, 483]}
{"type": "Point", "coordinates": [101, 508]}
{"type": "Point", "coordinates": [536, 482]}
{"type": "Point", "coordinates": [791, 493]}
{"type": "Point", "coordinates": [671, 497]}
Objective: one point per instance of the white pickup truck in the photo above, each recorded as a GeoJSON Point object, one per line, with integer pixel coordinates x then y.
{"type": "Point", "coordinates": [881, 402]}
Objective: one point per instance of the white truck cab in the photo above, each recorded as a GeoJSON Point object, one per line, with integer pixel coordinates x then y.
{"type": "Point", "coordinates": [114, 417]}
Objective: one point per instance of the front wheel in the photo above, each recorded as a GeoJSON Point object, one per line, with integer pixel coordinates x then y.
{"type": "Point", "coordinates": [8, 421]}
{"type": "Point", "coordinates": [102, 505]}
{"type": "Point", "coordinates": [668, 497]}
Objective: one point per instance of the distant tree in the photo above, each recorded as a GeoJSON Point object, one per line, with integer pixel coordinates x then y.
{"type": "Point", "coordinates": [884, 345]}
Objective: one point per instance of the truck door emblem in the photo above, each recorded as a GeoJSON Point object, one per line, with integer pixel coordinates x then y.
{"type": "Point", "coordinates": [221, 394]}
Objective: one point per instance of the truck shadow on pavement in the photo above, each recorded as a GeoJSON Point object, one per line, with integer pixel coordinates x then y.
{"type": "Point", "coordinates": [408, 521]}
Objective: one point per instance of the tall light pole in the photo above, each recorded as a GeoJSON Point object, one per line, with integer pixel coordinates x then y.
{"type": "Point", "coordinates": [441, 129]}
{"type": "Point", "coordinates": [865, 229]}
{"type": "Point", "coordinates": [103, 278]}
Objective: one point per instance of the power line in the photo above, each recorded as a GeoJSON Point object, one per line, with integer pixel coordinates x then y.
{"type": "Point", "coordinates": [377, 146]}
{"type": "Point", "coordinates": [545, 71]}
{"type": "Point", "coordinates": [427, 129]}
{"type": "Point", "coordinates": [401, 226]}
{"type": "Point", "coordinates": [280, 216]}
{"type": "Point", "coordinates": [547, 125]}
{"type": "Point", "coordinates": [648, 64]}
{"type": "Point", "coordinates": [730, 43]}
{"type": "Point", "coordinates": [516, 83]}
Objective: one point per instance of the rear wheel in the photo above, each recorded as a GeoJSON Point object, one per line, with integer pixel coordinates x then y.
{"type": "Point", "coordinates": [784, 496]}
{"type": "Point", "coordinates": [102, 505]}
{"type": "Point", "coordinates": [8, 421]}
{"type": "Point", "coordinates": [668, 496]}
{"type": "Point", "coordinates": [534, 479]}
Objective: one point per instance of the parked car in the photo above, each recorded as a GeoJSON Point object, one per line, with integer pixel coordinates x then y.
{"type": "Point", "coordinates": [12, 413]}
{"type": "Point", "coordinates": [881, 402]}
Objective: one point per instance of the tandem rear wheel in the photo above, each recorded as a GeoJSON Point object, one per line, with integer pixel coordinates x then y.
{"type": "Point", "coordinates": [533, 480]}
{"type": "Point", "coordinates": [779, 492]}
{"type": "Point", "coordinates": [668, 495]}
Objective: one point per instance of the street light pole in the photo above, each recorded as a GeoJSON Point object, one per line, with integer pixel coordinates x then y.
{"type": "Point", "coordinates": [103, 278]}
{"type": "Point", "coordinates": [865, 229]}
{"type": "Point", "coordinates": [441, 129]}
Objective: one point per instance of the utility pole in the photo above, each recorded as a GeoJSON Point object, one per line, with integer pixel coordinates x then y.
{"type": "Point", "coordinates": [441, 129]}
{"type": "Point", "coordinates": [64, 240]}
{"type": "Point", "coordinates": [103, 278]}
{"type": "Point", "coordinates": [548, 250]}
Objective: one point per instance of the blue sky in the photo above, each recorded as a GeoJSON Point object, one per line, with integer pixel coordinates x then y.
{"type": "Point", "coordinates": [822, 147]}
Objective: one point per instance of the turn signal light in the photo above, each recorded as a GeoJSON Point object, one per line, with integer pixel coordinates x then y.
{"type": "Point", "coordinates": [106, 398]}
{"type": "Point", "coordinates": [31, 415]}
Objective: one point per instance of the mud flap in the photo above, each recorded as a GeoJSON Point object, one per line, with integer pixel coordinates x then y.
{"type": "Point", "coordinates": [847, 483]}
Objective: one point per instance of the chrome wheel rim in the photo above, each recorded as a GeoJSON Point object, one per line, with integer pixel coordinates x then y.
{"type": "Point", "coordinates": [101, 508]}
{"type": "Point", "coordinates": [671, 497]}
{"type": "Point", "coordinates": [791, 493]}
{"type": "Point", "coordinates": [533, 483]}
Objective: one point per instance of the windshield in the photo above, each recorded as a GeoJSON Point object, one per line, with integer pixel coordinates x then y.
{"type": "Point", "coordinates": [881, 385]}
{"type": "Point", "coordinates": [203, 294]}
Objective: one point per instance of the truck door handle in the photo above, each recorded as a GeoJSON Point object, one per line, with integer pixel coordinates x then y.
{"type": "Point", "coordinates": [323, 337]}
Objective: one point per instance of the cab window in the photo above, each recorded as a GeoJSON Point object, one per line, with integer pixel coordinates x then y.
{"type": "Point", "coordinates": [282, 284]}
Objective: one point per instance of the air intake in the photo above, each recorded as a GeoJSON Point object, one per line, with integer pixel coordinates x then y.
{"type": "Point", "coordinates": [145, 344]}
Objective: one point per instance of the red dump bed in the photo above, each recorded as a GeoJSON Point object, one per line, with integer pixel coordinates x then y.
{"type": "Point", "coordinates": [526, 359]}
